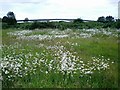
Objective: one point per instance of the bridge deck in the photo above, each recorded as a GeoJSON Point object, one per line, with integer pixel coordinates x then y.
{"type": "Point", "coordinates": [51, 20]}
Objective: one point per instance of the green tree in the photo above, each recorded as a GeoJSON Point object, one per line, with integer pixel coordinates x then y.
{"type": "Point", "coordinates": [101, 19]}
{"type": "Point", "coordinates": [26, 20]}
{"type": "Point", "coordinates": [11, 15]}
{"type": "Point", "coordinates": [5, 19]}
{"type": "Point", "coordinates": [79, 20]}
{"type": "Point", "coordinates": [9, 19]}
{"type": "Point", "coordinates": [110, 19]}
{"type": "Point", "coordinates": [0, 19]}
{"type": "Point", "coordinates": [117, 24]}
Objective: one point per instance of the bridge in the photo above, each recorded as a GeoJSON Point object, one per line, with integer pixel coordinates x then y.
{"type": "Point", "coordinates": [48, 20]}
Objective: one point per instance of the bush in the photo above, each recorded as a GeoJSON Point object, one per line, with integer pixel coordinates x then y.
{"type": "Point", "coordinates": [34, 25]}
{"type": "Point", "coordinates": [5, 26]}
{"type": "Point", "coordinates": [117, 25]}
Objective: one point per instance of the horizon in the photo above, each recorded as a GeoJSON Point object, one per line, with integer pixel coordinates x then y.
{"type": "Point", "coordinates": [53, 9]}
{"type": "Point", "coordinates": [60, 18]}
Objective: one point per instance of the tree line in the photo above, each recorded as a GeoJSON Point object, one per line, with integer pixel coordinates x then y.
{"type": "Point", "coordinates": [9, 21]}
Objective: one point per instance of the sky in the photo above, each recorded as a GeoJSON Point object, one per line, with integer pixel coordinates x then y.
{"type": "Point", "coordinates": [64, 9]}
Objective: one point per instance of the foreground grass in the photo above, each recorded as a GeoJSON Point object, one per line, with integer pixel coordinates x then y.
{"type": "Point", "coordinates": [39, 61]}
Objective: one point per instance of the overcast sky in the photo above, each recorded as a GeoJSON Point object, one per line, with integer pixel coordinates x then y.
{"type": "Point", "coordinates": [34, 9]}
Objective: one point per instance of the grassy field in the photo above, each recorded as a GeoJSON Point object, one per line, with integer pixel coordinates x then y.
{"type": "Point", "coordinates": [83, 58]}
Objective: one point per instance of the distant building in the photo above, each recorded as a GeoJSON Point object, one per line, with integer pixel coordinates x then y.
{"type": "Point", "coordinates": [119, 9]}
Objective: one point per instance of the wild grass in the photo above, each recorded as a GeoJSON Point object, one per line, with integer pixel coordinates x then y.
{"type": "Point", "coordinates": [69, 62]}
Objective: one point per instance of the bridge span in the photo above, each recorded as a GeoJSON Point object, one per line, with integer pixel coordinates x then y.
{"type": "Point", "coordinates": [48, 20]}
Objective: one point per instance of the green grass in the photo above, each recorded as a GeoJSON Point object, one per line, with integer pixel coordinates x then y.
{"type": "Point", "coordinates": [84, 48]}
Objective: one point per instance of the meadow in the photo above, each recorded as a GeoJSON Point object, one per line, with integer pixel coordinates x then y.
{"type": "Point", "coordinates": [53, 58]}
